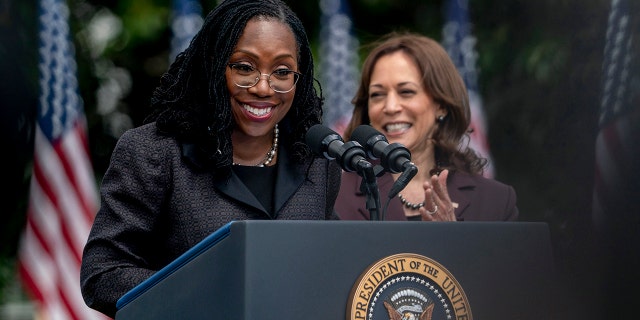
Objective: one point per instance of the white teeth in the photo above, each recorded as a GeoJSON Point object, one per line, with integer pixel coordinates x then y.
{"type": "Point", "coordinates": [397, 127]}
{"type": "Point", "coordinates": [257, 111]}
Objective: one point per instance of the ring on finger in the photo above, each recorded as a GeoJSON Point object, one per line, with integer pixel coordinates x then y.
{"type": "Point", "coordinates": [435, 209]}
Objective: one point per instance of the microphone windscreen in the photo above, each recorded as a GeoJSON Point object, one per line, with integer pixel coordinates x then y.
{"type": "Point", "coordinates": [363, 133]}
{"type": "Point", "coordinates": [315, 136]}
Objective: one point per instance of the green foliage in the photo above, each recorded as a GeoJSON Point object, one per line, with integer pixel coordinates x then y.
{"type": "Point", "coordinates": [144, 21]}
{"type": "Point", "coordinates": [545, 60]}
{"type": "Point", "coordinates": [7, 275]}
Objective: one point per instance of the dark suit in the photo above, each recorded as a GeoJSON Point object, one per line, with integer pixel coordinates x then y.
{"type": "Point", "coordinates": [155, 206]}
{"type": "Point", "coordinates": [478, 198]}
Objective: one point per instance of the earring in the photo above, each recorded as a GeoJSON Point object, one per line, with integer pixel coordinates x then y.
{"type": "Point", "coordinates": [440, 118]}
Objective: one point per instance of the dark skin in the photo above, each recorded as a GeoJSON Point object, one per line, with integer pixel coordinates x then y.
{"type": "Point", "coordinates": [266, 45]}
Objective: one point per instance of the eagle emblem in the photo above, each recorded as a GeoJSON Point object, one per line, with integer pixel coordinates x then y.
{"type": "Point", "coordinates": [409, 304]}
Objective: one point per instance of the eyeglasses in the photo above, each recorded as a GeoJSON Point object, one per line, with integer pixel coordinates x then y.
{"type": "Point", "coordinates": [280, 80]}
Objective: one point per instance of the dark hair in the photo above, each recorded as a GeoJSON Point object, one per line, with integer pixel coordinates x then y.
{"type": "Point", "coordinates": [442, 82]}
{"type": "Point", "coordinates": [192, 101]}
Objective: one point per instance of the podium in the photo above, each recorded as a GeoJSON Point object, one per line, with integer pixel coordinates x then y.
{"type": "Point", "coordinates": [323, 270]}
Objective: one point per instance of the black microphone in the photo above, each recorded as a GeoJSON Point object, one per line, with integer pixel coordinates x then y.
{"type": "Point", "coordinates": [328, 143]}
{"type": "Point", "coordinates": [394, 157]}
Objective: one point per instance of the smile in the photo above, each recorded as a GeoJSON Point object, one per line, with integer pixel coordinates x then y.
{"type": "Point", "coordinates": [395, 127]}
{"type": "Point", "coordinates": [258, 112]}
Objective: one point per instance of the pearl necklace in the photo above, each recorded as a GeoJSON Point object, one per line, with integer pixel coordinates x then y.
{"type": "Point", "coordinates": [409, 205]}
{"type": "Point", "coordinates": [271, 153]}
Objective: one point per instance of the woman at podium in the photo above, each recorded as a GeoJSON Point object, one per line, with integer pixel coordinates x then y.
{"type": "Point", "coordinates": [224, 141]}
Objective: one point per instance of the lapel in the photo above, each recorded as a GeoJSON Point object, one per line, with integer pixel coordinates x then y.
{"type": "Point", "coordinates": [460, 185]}
{"type": "Point", "coordinates": [289, 177]}
{"type": "Point", "coordinates": [236, 189]}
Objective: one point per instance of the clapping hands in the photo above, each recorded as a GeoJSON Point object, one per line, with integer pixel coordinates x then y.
{"type": "Point", "coordinates": [437, 205]}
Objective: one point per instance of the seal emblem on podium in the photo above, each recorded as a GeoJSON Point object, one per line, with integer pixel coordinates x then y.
{"type": "Point", "coordinates": [407, 286]}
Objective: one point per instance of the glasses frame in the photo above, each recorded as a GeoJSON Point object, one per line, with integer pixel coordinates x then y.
{"type": "Point", "coordinates": [296, 77]}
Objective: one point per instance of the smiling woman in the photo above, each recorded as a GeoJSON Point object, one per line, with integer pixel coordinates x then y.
{"type": "Point", "coordinates": [411, 92]}
{"type": "Point", "coordinates": [258, 106]}
{"type": "Point", "coordinates": [224, 142]}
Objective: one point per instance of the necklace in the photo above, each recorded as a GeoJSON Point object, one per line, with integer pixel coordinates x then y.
{"type": "Point", "coordinates": [271, 153]}
{"type": "Point", "coordinates": [409, 205]}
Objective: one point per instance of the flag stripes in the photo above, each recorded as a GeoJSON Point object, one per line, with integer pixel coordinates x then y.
{"type": "Point", "coordinates": [613, 146]}
{"type": "Point", "coordinates": [58, 221]}
{"type": "Point", "coordinates": [63, 195]}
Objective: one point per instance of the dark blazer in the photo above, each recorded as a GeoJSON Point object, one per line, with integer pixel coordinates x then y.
{"type": "Point", "coordinates": [155, 206]}
{"type": "Point", "coordinates": [478, 198]}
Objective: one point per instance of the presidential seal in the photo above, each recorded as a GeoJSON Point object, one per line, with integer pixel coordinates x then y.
{"type": "Point", "coordinates": [407, 286]}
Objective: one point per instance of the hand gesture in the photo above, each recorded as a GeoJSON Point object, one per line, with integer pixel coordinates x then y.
{"type": "Point", "coordinates": [437, 204]}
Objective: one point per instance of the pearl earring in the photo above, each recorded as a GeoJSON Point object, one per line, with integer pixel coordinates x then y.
{"type": "Point", "coordinates": [440, 118]}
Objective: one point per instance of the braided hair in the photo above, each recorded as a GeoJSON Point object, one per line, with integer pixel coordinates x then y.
{"type": "Point", "coordinates": [193, 104]}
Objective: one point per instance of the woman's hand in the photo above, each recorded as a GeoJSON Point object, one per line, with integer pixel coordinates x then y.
{"type": "Point", "coordinates": [437, 204]}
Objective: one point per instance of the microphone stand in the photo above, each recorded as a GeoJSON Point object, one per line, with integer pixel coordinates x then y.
{"type": "Point", "coordinates": [369, 187]}
{"type": "Point", "coordinates": [409, 172]}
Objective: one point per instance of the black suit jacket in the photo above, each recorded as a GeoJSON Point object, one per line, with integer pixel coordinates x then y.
{"type": "Point", "coordinates": [155, 206]}
{"type": "Point", "coordinates": [478, 198]}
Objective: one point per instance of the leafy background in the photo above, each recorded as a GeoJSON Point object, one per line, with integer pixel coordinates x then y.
{"type": "Point", "coordinates": [540, 65]}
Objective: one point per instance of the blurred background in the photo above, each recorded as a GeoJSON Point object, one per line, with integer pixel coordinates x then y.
{"type": "Point", "coordinates": [539, 72]}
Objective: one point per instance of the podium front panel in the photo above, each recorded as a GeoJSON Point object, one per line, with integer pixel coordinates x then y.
{"type": "Point", "coordinates": [307, 269]}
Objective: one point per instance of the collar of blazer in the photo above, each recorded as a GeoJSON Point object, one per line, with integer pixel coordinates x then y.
{"type": "Point", "coordinates": [289, 178]}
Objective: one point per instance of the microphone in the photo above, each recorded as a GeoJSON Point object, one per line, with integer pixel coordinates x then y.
{"type": "Point", "coordinates": [394, 157]}
{"type": "Point", "coordinates": [326, 142]}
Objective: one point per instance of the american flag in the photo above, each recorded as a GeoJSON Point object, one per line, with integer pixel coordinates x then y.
{"type": "Point", "coordinates": [615, 195]}
{"type": "Point", "coordinates": [63, 194]}
{"type": "Point", "coordinates": [460, 44]}
{"type": "Point", "coordinates": [339, 63]}
{"type": "Point", "coordinates": [185, 23]}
